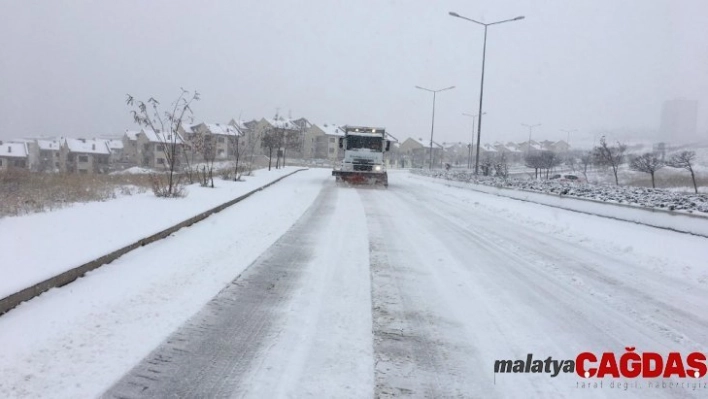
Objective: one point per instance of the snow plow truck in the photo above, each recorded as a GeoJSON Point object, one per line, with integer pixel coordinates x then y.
{"type": "Point", "coordinates": [363, 161]}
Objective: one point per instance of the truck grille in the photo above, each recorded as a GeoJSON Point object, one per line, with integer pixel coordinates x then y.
{"type": "Point", "coordinates": [363, 167]}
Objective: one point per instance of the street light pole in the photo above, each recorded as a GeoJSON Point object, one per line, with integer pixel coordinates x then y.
{"type": "Point", "coordinates": [568, 132]}
{"type": "Point", "coordinates": [432, 127]}
{"type": "Point", "coordinates": [481, 86]}
{"type": "Point", "coordinates": [528, 150]}
{"type": "Point", "coordinates": [469, 152]}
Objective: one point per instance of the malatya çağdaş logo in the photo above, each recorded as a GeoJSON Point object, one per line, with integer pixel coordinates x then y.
{"type": "Point", "coordinates": [630, 364]}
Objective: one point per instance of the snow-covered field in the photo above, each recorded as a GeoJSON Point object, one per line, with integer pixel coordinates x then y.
{"type": "Point", "coordinates": [39, 246]}
{"type": "Point", "coordinates": [354, 292]}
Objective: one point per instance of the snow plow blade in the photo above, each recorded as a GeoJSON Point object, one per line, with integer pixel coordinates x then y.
{"type": "Point", "coordinates": [363, 178]}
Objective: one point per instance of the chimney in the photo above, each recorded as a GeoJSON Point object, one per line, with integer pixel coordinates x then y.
{"type": "Point", "coordinates": [9, 149]}
{"type": "Point", "coordinates": [93, 147]}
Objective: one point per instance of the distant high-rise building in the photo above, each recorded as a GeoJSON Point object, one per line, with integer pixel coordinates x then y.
{"type": "Point", "coordinates": [678, 121]}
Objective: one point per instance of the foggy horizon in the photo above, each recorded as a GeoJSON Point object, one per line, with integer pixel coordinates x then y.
{"type": "Point", "coordinates": [590, 66]}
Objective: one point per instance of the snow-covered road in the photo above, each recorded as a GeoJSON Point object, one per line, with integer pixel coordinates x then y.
{"type": "Point", "coordinates": [354, 292]}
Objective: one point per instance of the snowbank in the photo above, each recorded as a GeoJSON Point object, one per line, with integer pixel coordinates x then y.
{"type": "Point", "coordinates": [39, 246]}
{"type": "Point", "coordinates": [655, 217]}
{"type": "Point", "coordinates": [644, 197]}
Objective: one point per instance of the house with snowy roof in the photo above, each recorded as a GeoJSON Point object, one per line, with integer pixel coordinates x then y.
{"type": "Point", "coordinates": [415, 153]}
{"type": "Point", "coordinates": [302, 123]}
{"type": "Point", "coordinates": [13, 155]}
{"type": "Point", "coordinates": [530, 147]}
{"type": "Point", "coordinates": [130, 146]}
{"type": "Point", "coordinates": [321, 141]}
{"type": "Point", "coordinates": [154, 147]}
{"type": "Point", "coordinates": [115, 146]}
{"type": "Point", "coordinates": [560, 146]}
{"type": "Point", "coordinates": [455, 153]}
{"type": "Point", "coordinates": [241, 125]}
{"type": "Point", "coordinates": [87, 156]}
{"type": "Point", "coordinates": [47, 153]}
{"type": "Point", "coordinates": [290, 128]}
{"type": "Point", "coordinates": [220, 137]}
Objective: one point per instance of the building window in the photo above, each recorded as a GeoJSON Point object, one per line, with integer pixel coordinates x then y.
{"type": "Point", "coordinates": [160, 161]}
{"type": "Point", "coordinates": [331, 139]}
{"type": "Point", "coordinates": [83, 158]}
{"type": "Point", "coordinates": [159, 147]}
{"type": "Point", "coordinates": [221, 140]}
{"type": "Point", "coordinates": [0, 162]}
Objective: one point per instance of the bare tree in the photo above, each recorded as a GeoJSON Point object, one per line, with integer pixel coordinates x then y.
{"type": "Point", "coordinates": [271, 141]}
{"type": "Point", "coordinates": [684, 160]}
{"type": "Point", "coordinates": [647, 163]}
{"type": "Point", "coordinates": [610, 156]}
{"type": "Point", "coordinates": [534, 162]}
{"type": "Point", "coordinates": [291, 141]}
{"type": "Point", "coordinates": [549, 160]}
{"type": "Point", "coordinates": [571, 162]}
{"type": "Point", "coordinates": [166, 124]}
{"type": "Point", "coordinates": [189, 155]}
{"type": "Point", "coordinates": [204, 144]}
{"type": "Point", "coordinates": [486, 164]}
{"type": "Point", "coordinates": [253, 136]}
{"type": "Point", "coordinates": [501, 168]}
{"type": "Point", "coordinates": [236, 148]}
{"type": "Point", "coordinates": [585, 161]}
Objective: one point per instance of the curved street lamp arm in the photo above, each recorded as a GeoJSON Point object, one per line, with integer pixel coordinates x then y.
{"type": "Point", "coordinates": [507, 20]}
{"type": "Point", "coordinates": [454, 14]}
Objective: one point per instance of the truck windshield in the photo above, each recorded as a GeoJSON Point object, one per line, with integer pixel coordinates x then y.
{"type": "Point", "coordinates": [372, 143]}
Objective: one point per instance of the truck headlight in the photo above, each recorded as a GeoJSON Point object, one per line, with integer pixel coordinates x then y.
{"type": "Point", "coordinates": [377, 168]}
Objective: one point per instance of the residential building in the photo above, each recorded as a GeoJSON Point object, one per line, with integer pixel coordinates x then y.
{"type": "Point", "coordinates": [455, 153]}
{"type": "Point", "coordinates": [221, 136]}
{"type": "Point", "coordinates": [84, 156]}
{"type": "Point", "coordinates": [48, 155]}
{"type": "Point", "coordinates": [415, 153]}
{"type": "Point", "coordinates": [527, 148]}
{"type": "Point", "coordinates": [560, 146]}
{"type": "Point", "coordinates": [321, 141]}
{"type": "Point", "coordinates": [290, 129]}
{"type": "Point", "coordinates": [153, 148]}
{"type": "Point", "coordinates": [13, 155]}
{"type": "Point", "coordinates": [115, 146]}
{"type": "Point", "coordinates": [130, 147]}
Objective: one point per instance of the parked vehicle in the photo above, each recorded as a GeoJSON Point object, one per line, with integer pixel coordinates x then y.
{"type": "Point", "coordinates": [570, 179]}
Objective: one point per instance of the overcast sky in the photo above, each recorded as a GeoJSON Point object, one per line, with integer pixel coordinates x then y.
{"type": "Point", "coordinates": [66, 66]}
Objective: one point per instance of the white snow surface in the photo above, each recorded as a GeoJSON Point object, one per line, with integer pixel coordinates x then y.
{"type": "Point", "coordinates": [39, 246]}
{"type": "Point", "coordinates": [74, 342]}
{"type": "Point", "coordinates": [473, 277]}
{"type": "Point", "coordinates": [640, 196]}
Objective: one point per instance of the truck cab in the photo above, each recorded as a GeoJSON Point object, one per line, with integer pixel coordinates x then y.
{"type": "Point", "coordinates": [363, 161]}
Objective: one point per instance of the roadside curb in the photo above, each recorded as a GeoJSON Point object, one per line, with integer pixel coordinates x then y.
{"type": "Point", "coordinates": [686, 223]}
{"type": "Point", "coordinates": [69, 276]}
